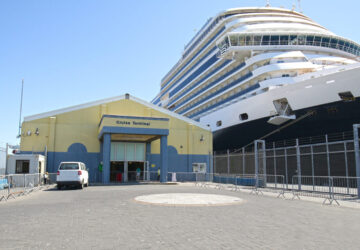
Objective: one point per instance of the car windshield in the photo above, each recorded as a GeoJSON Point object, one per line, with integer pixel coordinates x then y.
{"type": "Point", "coordinates": [69, 166]}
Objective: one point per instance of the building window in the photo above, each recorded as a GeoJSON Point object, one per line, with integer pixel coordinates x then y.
{"type": "Point", "coordinates": [347, 96]}
{"type": "Point", "coordinates": [243, 116]}
{"type": "Point", "coordinates": [218, 123]}
{"type": "Point", "coordinates": [199, 167]}
{"type": "Point", "coordinates": [22, 166]}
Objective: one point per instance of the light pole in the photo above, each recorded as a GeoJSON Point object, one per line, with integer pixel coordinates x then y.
{"type": "Point", "coordinates": [21, 100]}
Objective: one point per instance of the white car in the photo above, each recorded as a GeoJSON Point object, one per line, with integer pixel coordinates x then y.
{"type": "Point", "coordinates": [72, 174]}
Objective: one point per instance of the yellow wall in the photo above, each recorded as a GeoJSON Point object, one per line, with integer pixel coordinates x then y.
{"type": "Point", "coordinates": [81, 126]}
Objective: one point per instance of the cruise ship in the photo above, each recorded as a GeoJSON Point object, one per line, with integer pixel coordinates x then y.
{"type": "Point", "coordinates": [265, 73]}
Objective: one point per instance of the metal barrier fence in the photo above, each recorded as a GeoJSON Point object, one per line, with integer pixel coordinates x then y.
{"type": "Point", "coordinates": [330, 189]}
{"type": "Point", "coordinates": [15, 185]}
{"type": "Point", "coordinates": [322, 156]}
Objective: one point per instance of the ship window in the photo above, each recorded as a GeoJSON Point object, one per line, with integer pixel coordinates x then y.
{"type": "Point", "coordinates": [226, 40]}
{"type": "Point", "coordinates": [333, 43]}
{"type": "Point", "coordinates": [257, 40]}
{"type": "Point", "coordinates": [347, 96]}
{"type": "Point", "coordinates": [286, 75]}
{"type": "Point", "coordinates": [309, 40]}
{"type": "Point", "coordinates": [347, 44]}
{"type": "Point", "coordinates": [293, 40]}
{"type": "Point", "coordinates": [234, 40]}
{"type": "Point", "coordinates": [265, 40]}
{"type": "Point", "coordinates": [249, 40]}
{"type": "Point", "coordinates": [284, 40]}
{"type": "Point", "coordinates": [317, 40]}
{"type": "Point", "coordinates": [301, 40]}
{"type": "Point", "coordinates": [341, 44]}
{"type": "Point", "coordinates": [274, 40]}
{"type": "Point", "coordinates": [242, 40]}
{"type": "Point", "coordinates": [325, 42]}
{"type": "Point", "coordinates": [218, 123]}
{"type": "Point", "coordinates": [243, 116]}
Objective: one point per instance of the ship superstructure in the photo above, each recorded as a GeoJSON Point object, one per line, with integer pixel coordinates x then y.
{"type": "Point", "coordinates": [250, 71]}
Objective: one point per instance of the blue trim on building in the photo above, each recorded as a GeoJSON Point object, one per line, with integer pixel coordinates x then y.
{"type": "Point", "coordinates": [163, 158]}
{"type": "Point", "coordinates": [148, 152]}
{"type": "Point", "coordinates": [175, 162]}
{"type": "Point", "coordinates": [135, 131]}
{"type": "Point", "coordinates": [106, 158]}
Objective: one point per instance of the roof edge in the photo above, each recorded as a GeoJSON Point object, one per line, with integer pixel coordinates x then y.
{"type": "Point", "coordinates": [113, 99]}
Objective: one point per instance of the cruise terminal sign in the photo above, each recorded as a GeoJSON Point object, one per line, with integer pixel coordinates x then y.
{"type": "Point", "coordinates": [133, 122]}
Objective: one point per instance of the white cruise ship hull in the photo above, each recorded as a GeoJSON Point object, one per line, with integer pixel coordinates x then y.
{"type": "Point", "coordinates": [316, 93]}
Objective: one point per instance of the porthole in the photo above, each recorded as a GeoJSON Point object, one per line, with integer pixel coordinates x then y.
{"type": "Point", "coordinates": [347, 96]}
{"type": "Point", "coordinates": [218, 123]}
{"type": "Point", "coordinates": [243, 116]}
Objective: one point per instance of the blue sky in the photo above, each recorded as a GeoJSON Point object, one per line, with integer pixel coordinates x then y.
{"type": "Point", "coordinates": [70, 52]}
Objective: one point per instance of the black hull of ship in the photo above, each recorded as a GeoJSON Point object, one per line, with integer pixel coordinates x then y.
{"type": "Point", "coordinates": [326, 119]}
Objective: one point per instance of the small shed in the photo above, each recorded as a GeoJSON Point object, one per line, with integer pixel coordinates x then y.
{"type": "Point", "coordinates": [26, 164]}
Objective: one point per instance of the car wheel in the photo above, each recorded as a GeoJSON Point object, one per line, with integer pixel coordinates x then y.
{"type": "Point", "coordinates": [58, 186]}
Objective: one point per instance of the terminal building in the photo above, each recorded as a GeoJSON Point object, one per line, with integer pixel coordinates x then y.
{"type": "Point", "coordinates": [118, 137]}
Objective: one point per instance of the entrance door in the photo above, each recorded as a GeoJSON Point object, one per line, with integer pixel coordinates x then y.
{"type": "Point", "coordinates": [117, 171]}
{"type": "Point", "coordinates": [136, 171]}
{"type": "Point", "coordinates": [127, 159]}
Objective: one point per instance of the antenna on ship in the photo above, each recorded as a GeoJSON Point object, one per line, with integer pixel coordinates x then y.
{"type": "Point", "coordinates": [299, 5]}
{"type": "Point", "coordinates": [267, 3]}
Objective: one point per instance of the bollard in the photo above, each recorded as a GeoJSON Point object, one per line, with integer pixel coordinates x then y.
{"type": "Point", "coordinates": [357, 156]}
{"type": "Point", "coordinates": [286, 170]}
{"type": "Point", "coordinates": [346, 169]}
{"type": "Point", "coordinates": [298, 164]}
{"type": "Point", "coordinates": [228, 162]}
{"type": "Point", "coordinates": [9, 181]}
{"type": "Point", "coordinates": [312, 167]}
{"type": "Point", "coordinates": [24, 183]}
{"type": "Point", "coordinates": [256, 166]}
{"type": "Point", "coordinates": [243, 160]}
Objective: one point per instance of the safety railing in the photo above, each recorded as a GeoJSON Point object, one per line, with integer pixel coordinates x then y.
{"type": "Point", "coordinates": [15, 185]}
{"type": "Point", "coordinates": [331, 188]}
